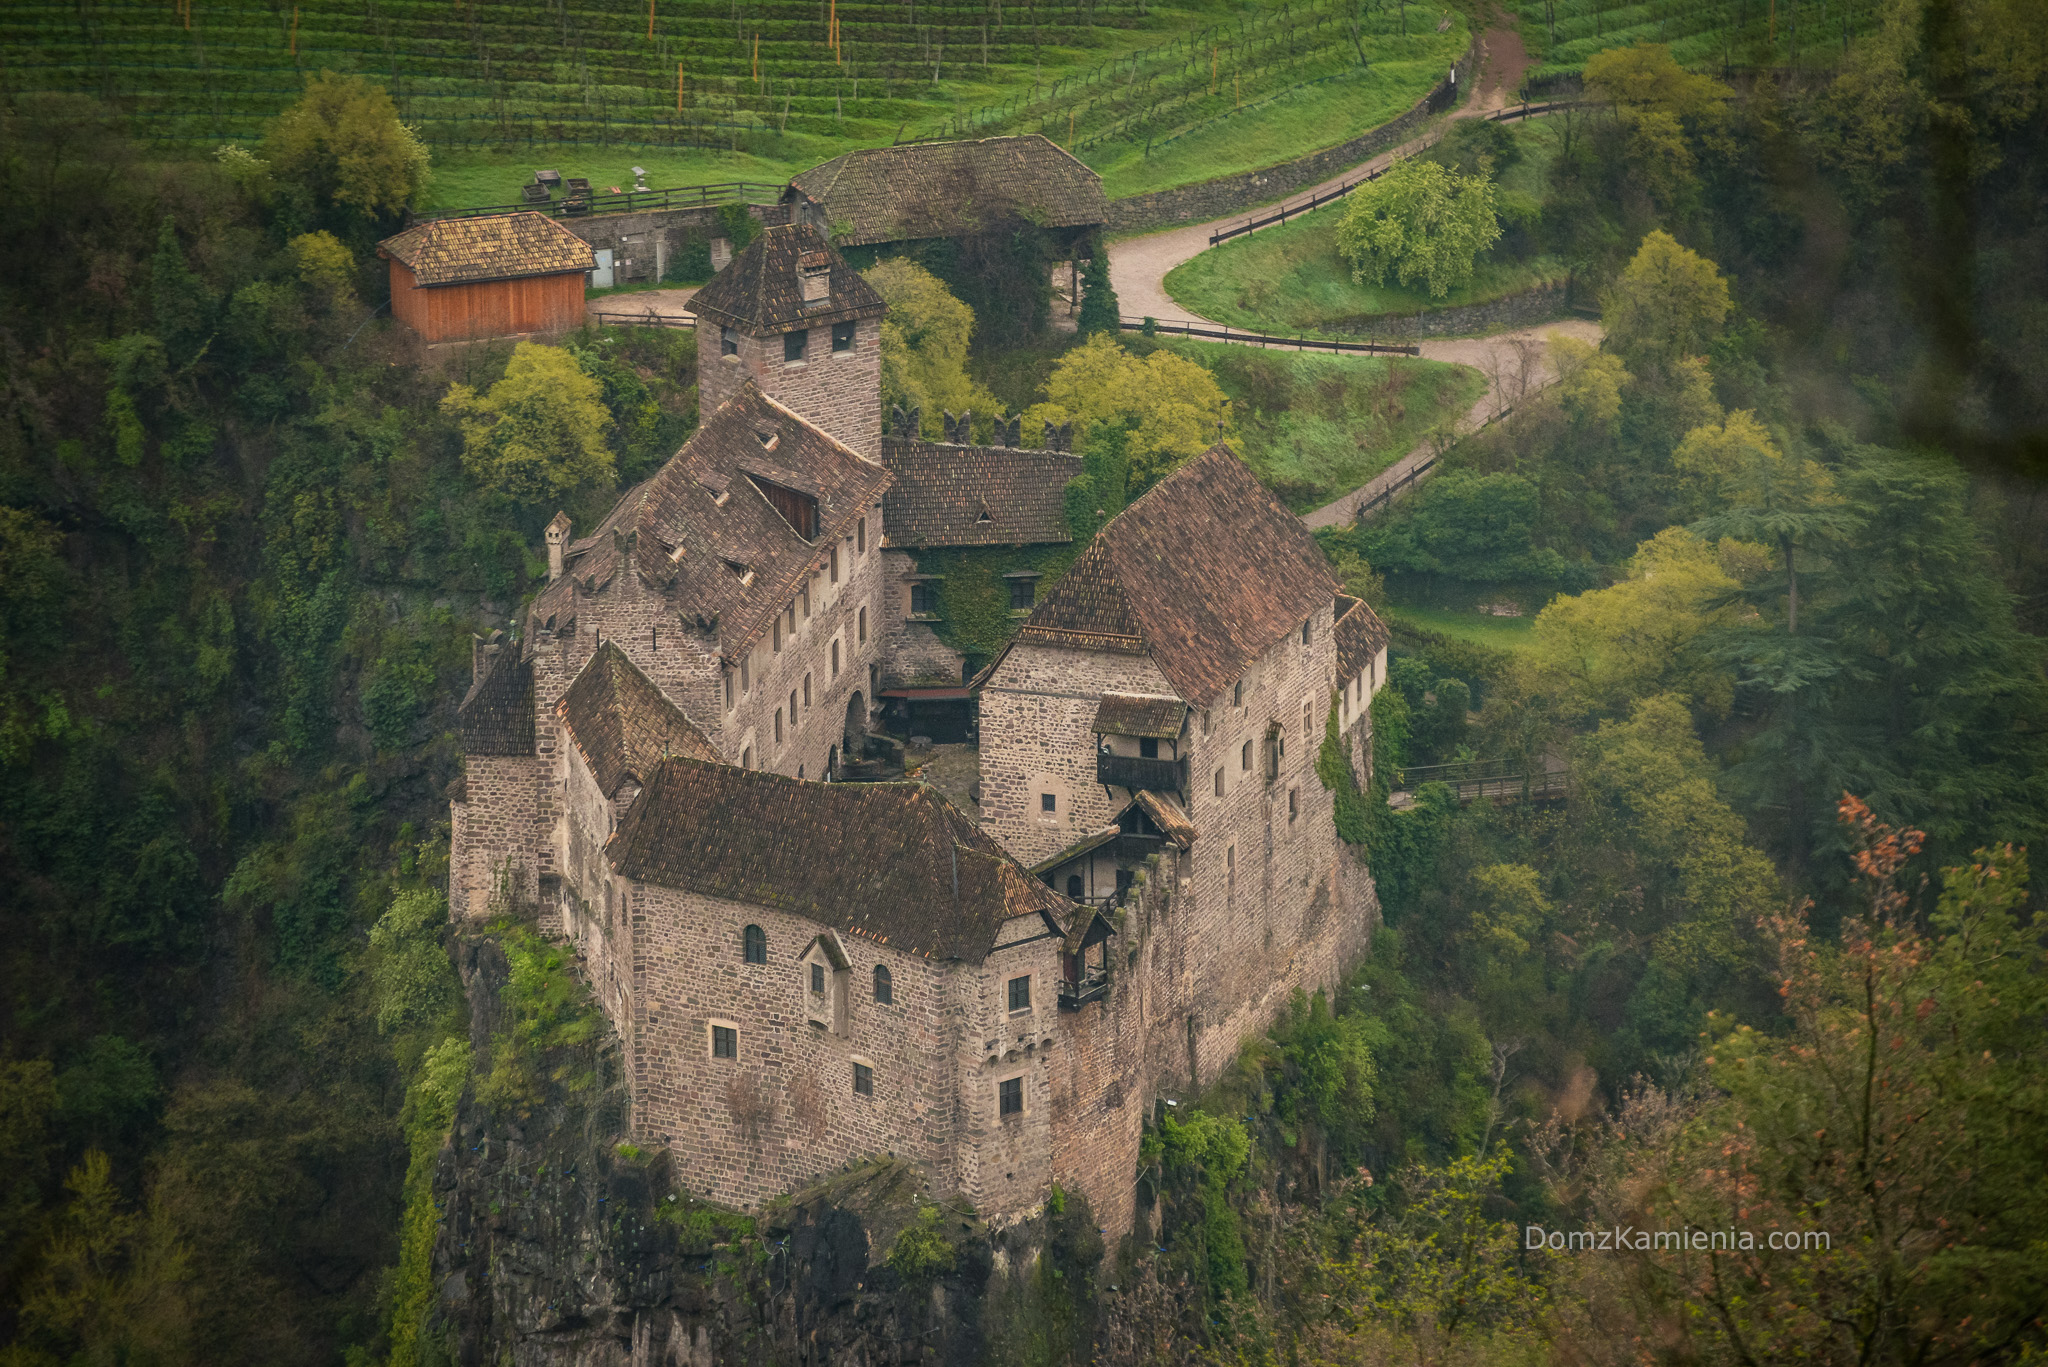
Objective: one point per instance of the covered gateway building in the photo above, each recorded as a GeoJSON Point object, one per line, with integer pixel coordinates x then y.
{"type": "Point", "coordinates": [502, 275]}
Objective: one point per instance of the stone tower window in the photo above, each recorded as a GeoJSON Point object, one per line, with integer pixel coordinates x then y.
{"type": "Point", "coordinates": [778, 726]}
{"type": "Point", "coordinates": [1010, 1096]}
{"type": "Point", "coordinates": [1293, 803]}
{"type": "Point", "coordinates": [755, 942]}
{"type": "Point", "coordinates": [1237, 694]}
{"type": "Point", "coordinates": [1244, 757]}
{"type": "Point", "coordinates": [1047, 802]}
{"type": "Point", "coordinates": [1020, 994]}
{"type": "Point", "coordinates": [860, 537]}
{"type": "Point", "coordinates": [1219, 783]}
{"type": "Point", "coordinates": [885, 988]}
{"type": "Point", "coordinates": [725, 1042]}
{"type": "Point", "coordinates": [863, 1079]}
{"type": "Point", "coordinates": [1304, 630]}
{"type": "Point", "coordinates": [842, 336]}
{"type": "Point", "coordinates": [793, 346]}
{"type": "Point", "coordinates": [863, 621]}
{"type": "Point", "coordinates": [728, 342]}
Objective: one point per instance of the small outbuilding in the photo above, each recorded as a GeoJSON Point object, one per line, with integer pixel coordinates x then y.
{"type": "Point", "coordinates": [948, 189]}
{"type": "Point", "coordinates": [499, 275]}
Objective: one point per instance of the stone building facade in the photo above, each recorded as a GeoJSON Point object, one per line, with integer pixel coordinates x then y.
{"type": "Point", "coordinates": [803, 971]}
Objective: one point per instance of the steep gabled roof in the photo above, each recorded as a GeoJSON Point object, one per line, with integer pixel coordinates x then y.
{"type": "Point", "coordinates": [623, 724]}
{"type": "Point", "coordinates": [893, 863]}
{"type": "Point", "coordinates": [496, 716]}
{"type": "Point", "coordinates": [702, 533]}
{"type": "Point", "coordinates": [1361, 636]}
{"type": "Point", "coordinates": [975, 495]}
{"type": "Point", "coordinates": [1205, 572]}
{"type": "Point", "coordinates": [456, 251]}
{"type": "Point", "coordinates": [761, 291]}
{"type": "Point", "coordinates": [1139, 714]}
{"type": "Point", "coordinates": [943, 189]}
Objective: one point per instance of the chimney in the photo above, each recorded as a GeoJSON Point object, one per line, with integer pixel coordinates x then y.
{"type": "Point", "coordinates": [815, 271]}
{"type": "Point", "coordinates": [558, 537]}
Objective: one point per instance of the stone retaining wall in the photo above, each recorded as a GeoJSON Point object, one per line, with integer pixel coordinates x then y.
{"type": "Point", "coordinates": [1522, 309]}
{"type": "Point", "coordinates": [1231, 194]}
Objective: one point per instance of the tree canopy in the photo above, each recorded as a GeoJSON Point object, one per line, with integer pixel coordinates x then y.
{"type": "Point", "coordinates": [1421, 222]}
{"type": "Point", "coordinates": [343, 145]}
{"type": "Point", "coordinates": [925, 337]}
{"type": "Point", "coordinates": [539, 433]}
{"type": "Point", "coordinates": [1668, 304]}
{"type": "Point", "coordinates": [1171, 405]}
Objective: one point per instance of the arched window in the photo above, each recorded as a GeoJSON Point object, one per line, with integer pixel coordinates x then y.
{"type": "Point", "coordinates": [1075, 885]}
{"type": "Point", "coordinates": [756, 944]}
{"type": "Point", "coordinates": [885, 991]}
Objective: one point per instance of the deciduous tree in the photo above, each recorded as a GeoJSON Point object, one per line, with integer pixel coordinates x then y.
{"type": "Point", "coordinates": [1171, 405]}
{"type": "Point", "coordinates": [343, 145]}
{"type": "Point", "coordinates": [1668, 304]}
{"type": "Point", "coordinates": [925, 336]}
{"type": "Point", "coordinates": [539, 433]}
{"type": "Point", "coordinates": [1422, 223]}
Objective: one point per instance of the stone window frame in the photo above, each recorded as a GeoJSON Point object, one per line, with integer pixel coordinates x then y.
{"type": "Point", "coordinates": [751, 936]}
{"type": "Point", "coordinates": [860, 536]}
{"type": "Point", "coordinates": [712, 1027]}
{"type": "Point", "coordinates": [1049, 802]}
{"type": "Point", "coordinates": [844, 337]}
{"type": "Point", "coordinates": [1293, 804]}
{"type": "Point", "coordinates": [1015, 988]}
{"type": "Point", "coordinates": [1219, 780]}
{"type": "Point", "coordinates": [861, 625]}
{"type": "Point", "coordinates": [796, 343]}
{"type": "Point", "coordinates": [1012, 1098]}
{"type": "Point", "coordinates": [863, 1072]}
{"type": "Point", "coordinates": [835, 657]}
{"type": "Point", "coordinates": [807, 690]}
{"type": "Point", "coordinates": [1305, 623]}
{"type": "Point", "coordinates": [885, 985]}
{"type": "Point", "coordinates": [1244, 758]}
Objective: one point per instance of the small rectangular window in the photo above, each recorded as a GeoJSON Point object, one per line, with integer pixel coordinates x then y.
{"type": "Point", "coordinates": [863, 1079]}
{"type": "Point", "coordinates": [1304, 630]}
{"type": "Point", "coordinates": [1023, 594]}
{"type": "Point", "coordinates": [728, 342]}
{"type": "Point", "coordinates": [747, 758]}
{"type": "Point", "coordinates": [1307, 719]}
{"type": "Point", "coordinates": [842, 336]}
{"type": "Point", "coordinates": [1020, 993]}
{"type": "Point", "coordinates": [728, 690]}
{"type": "Point", "coordinates": [818, 979]}
{"type": "Point", "coordinates": [1244, 757]}
{"type": "Point", "coordinates": [1047, 802]}
{"type": "Point", "coordinates": [778, 726]}
{"type": "Point", "coordinates": [863, 625]}
{"type": "Point", "coordinates": [747, 672]}
{"type": "Point", "coordinates": [793, 346]}
{"type": "Point", "coordinates": [835, 564]}
{"type": "Point", "coordinates": [860, 537]}
{"type": "Point", "coordinates": [1293, 803]}
{"type": "Point", "coordinates": [725, 1042]}
{"type": "Point", "coordinates": [1148, 748]}
{"type": "Point", "coordinates": [835, 659]}
{"type": "Point", "coordinates": [805, 596]}
{"type": "Point", "coordinates": [1219, 783]}
{"type": "Point", "coordinates": [775, 634]}
{"type": "Point", "coordinates": [1011, 1096]}
{"type": "Point", "coordinates": [807, 690]}
{"type": "Point", "coordinates": [924, 600]}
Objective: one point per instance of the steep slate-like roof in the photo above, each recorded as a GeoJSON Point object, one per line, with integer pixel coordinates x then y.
{"type": "Point", "coordinates": [737, 564]}
{"type": "Point", "coordinates": [941, 189]}
{"type": "Point", "coordinates": [893, 863]}
{"type": "Point", "coordinates": [496, 716]}
{"type": "Point", "coordinates": [1361, 636]}
{"type": "Point", "coordinates": [1139, 714]}
{"type": "Point", "coordinates": [456, 251]}
{"type": "Point", "coordinates": [1168, 815]}
{"type": "Point", "coordinates": [1205, 573]}
{"type": "Point", "coordinates": [623, 724]}
{"type": "Point", "coordinates": [761, 290]}
{"type": "Point", "coordinates": [975, 495]}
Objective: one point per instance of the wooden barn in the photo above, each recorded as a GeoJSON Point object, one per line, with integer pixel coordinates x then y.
{"type": "Point", "coordinates": [453, 279]}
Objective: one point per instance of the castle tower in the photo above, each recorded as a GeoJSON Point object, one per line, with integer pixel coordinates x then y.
{"type": "Point", "coordinates": [793, 317]}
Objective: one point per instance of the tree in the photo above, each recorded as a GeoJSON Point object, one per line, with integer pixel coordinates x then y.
{"type": "Point", "coordinates": [325, 266]}
{"type": "Point", "coordinates": [1781, 501]}
{"type": "Point", "coordinates": [1099, 310]}
{"type": "Point", "coordinates": [925, 336]}
{"type": "Point", "coordinates": [1896, 1113]}
{"type": "Point", "coordinates": [1716, 456]}
{"type": "Point", "coordinates": [539, 435]}
{"type": "Point", "coordinates": [1421, 222]}
{"type": "Point", "coordinates": [1589, 382]}
{"type": "Point", "coordinates": [1668, 304]}
{"type": "Point", "coordinates": [1600, 652]}
{"type": "Point", "coordinates": [1173, 407]}
{"type": "Point", "coordinates": [109, 1285]}
{"type": "Point", "coordinates": [1653, 99]}
{"type": "Point", "coordinates": [341, 143]}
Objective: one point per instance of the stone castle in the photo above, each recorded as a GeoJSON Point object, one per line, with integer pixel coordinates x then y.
{"type": "Point", "coordinates": [803, 969]}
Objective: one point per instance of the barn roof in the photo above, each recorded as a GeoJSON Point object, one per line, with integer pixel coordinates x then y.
{"type": "Point", "coordinates": [623, 724]}
{"type": "Point", "coordinates": [942, 189]}
{"type": "Point", "coordinates": [761, 291]}
{"type": "Point", "coordinates": [892, 863]}
{"type": "Point", "coordinates": [703, 534]}
{"type": "Point", "coordinates": [975, 495]}
{"type": "Point", "coordinates": [456, 251]}
{"type": "Point", "coordinates": [1204, 573]}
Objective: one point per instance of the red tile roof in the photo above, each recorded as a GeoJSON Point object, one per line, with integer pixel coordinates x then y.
{"type": "Point", "coordinates": [1361, 636]}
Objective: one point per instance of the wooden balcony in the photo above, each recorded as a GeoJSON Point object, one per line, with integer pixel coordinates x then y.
{"type": "Point", "coordinates": [1152, 775]}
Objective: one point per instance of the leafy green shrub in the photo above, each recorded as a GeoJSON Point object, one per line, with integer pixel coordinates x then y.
{"type": "Point", "coordinates": [1210, 1151]}
{"type": "Point", "coordinates": [921, 1254]}
{"type": "Point", "coordinates": [552, 1018]}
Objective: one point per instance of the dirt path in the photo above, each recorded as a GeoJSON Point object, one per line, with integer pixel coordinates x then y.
{"type": "Point", "coordinates": [642, 303]}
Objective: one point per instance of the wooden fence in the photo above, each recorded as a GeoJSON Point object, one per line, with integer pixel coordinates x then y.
{"type": "Point", "coordinates": [1220, 333]}
{"type": "Point", "coordinates": [630, 201]}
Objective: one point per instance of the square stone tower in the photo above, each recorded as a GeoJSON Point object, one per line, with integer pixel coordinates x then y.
{"type": "Point", "coordinates": [793, 317]}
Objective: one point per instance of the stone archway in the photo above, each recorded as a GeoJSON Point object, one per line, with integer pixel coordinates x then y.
{"type": "Point", "coordinates": [856, 732]}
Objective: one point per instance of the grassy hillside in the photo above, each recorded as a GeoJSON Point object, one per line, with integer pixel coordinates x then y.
{"type": "Point", "coordinates": [1561, 34]}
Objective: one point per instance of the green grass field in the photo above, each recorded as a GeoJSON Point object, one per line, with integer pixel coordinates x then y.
{"type": "Point", "coordinates": [1503, 633]}
{"type": "Point", "coordinates": [1703, 34]}
{"type": "Point", "coordinates": [1289, 278]}
{"type": "Point", "coordinates": [1316, 426]}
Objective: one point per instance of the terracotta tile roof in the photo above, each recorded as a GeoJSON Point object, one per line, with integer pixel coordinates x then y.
{"type": "Point", "coordinates": [1139, 714]}
{"type": "Point", "coordinates": [976, 495]}
{"type": "Point", "coordinates": [454, 251]}
{"type": "Point", "coordinates": [732, 565]}
{"type": "Point", "coordinates": [1168, 815]}
{"type": "Point", "coordinates": [893, 863]}
{"type": "Point", "coordinates": [942, 189]}
{"type": "Point", "coordinates": [623, 723]}
{"type": "Point", "coordinates": [761, 290]}
{"type": "Point", "coordinates": [1205, 573]}
{"type": "Point", "coordinates": [1361, 636]}
{"type": "Point", "coordinates": [496, 716]}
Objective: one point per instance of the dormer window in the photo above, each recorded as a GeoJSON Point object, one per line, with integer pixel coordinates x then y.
{"type": "Point", "coordinates": [799, 510]}
{"type": "Point", "coordinates": [826, 979]}
{"type": "Point", "coordinates": [728, 342]}
{"type": "Point", "coordinates": [814, 273]}
{"type": "Point", "coordinates": [769, 440]}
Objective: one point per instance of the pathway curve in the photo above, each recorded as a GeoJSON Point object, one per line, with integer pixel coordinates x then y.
{"type": "Point", "coordinates": [1514, 363]}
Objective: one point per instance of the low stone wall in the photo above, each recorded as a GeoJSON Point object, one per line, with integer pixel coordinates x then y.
{"type": "Point", "coordinates": [1231, 194]}
{"type": "Point", "coordinates": [1522, 309]}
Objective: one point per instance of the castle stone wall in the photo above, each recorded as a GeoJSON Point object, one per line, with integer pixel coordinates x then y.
{"type": "Point", "coordinates": [839, 392]}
